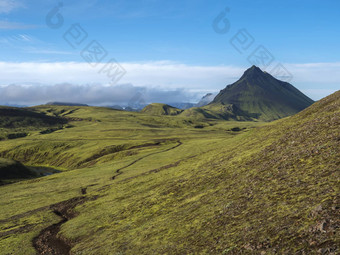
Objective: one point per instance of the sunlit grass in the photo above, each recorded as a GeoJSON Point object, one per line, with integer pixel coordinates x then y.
{"type": "Point", "coordinates": [180, 190]}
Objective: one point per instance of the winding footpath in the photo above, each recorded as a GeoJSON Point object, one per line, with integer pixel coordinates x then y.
{"type": "Point", "coordinates": [48, 242]}
{"type": "Point", "coordinates": [118, 171]}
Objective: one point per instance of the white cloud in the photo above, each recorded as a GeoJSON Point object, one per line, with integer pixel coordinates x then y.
{"type": "Point", "coordinates": [7, 25]}
{"type": "Point", "coordinates": [185, 82]}
{"type": "Point", "coordinates": [34, 83]}
{"type": "Point", "coordinates": [7, 6]}
{"type": "Point", "coordinates": [319, 93]}
{"type": "Point", "coordinates": [163, 74]}
{"type": "Point", "coordinates": [315, 72]}
{"type": "Point", "coordinates": [94, 94]}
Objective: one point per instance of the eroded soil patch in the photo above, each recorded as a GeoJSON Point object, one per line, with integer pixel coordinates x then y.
{"type": "Point", "coordinates": [48, 241]}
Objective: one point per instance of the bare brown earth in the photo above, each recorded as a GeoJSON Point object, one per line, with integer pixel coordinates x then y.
{"type": "Point", "coordinates": [48, 241]}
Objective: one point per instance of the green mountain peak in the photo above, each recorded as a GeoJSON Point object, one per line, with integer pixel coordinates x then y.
{"type": "Point", "coordinates": [260, 94]}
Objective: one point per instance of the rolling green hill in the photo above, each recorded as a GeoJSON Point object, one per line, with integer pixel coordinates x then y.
{"type": "Point", "coordinates": [134, 183]}
{"type": "Point", "coordinates": [262, 96]}
{"type": "Point", "coordinates": [11, 117]}
{"type": "Point", "coordinates": [12, 170]}
{"type": "Point", "coordinates": [218, 111]}
{"type": "Point", "coordinates": [20, 122]}
{"type": "Point", "coordinates": [161, 109]}
{"type": "Point", "coordinates": [65, 104]}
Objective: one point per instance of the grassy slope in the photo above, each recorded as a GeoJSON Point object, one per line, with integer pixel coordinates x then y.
{"type": "Point", "coordinates": [20, 122]}
{"type": "Point", "coordinates": [12, 117]}
{"type": "Point", "coordinates": [99, 131]}
{"type": "Point", "coordinates": [268, 189]}
{"type": "Point", "coordinates": [272, 190]}
{"type": "Point", "coordinates": [161, 109]}
{"type": "Point", "coordinates": [217, 111]}
{"type": "Point", "coordinates": [94, 130]}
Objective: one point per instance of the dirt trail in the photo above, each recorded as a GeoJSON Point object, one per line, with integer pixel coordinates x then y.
{"type": "Point", "coordinates": [48, 241]}
{"type": "Point", "coordinates": [118, 171]}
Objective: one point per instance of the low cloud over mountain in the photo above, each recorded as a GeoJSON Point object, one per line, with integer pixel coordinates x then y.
{"type": "Point", "coordinates": [92, 94]}
{"type": "Point", "coordinates": [163, 82]}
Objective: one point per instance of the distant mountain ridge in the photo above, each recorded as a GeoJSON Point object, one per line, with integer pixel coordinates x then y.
{"type": "Point", "coordinates": [262, 96]}
{"type": "Point", "coordinates": [65, 104]}
{"type": "Point", "coordinates": [207, 99]}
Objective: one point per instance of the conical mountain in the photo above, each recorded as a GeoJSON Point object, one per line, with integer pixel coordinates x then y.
{"type": "Point", "coordinates": [207, 99]}
{"type": "Point", "coordinates": [262, 96]}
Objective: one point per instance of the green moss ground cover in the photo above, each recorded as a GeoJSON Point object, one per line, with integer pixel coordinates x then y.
{"type": "Point", "coordinates": [263, 189]}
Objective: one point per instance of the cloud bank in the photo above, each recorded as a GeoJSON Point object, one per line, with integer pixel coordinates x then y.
{"type": "Point", "coordinates": [35, 83]}
{"type": "Point", "coordinates": [94, 94]}
{"type": "Point", "coordinates": [164, 74]}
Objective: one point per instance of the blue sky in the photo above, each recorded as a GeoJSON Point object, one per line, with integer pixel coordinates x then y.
{"type": "Point", "coordinates": [171, 45]}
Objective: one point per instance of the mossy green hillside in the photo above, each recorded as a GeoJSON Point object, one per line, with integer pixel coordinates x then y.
{"type": "Point", "coordinates": [218, 111]}
{"type": "Point", "coordinates": [259, 95]}
{"type": "Point", "coordinates": [161, 109]}
{"type": "Point", "coordinates": [20, 122]}
{"type": "Point", "coordinates": [274, 189]}
{"type": "Point", "coordinates": [270, 189]}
